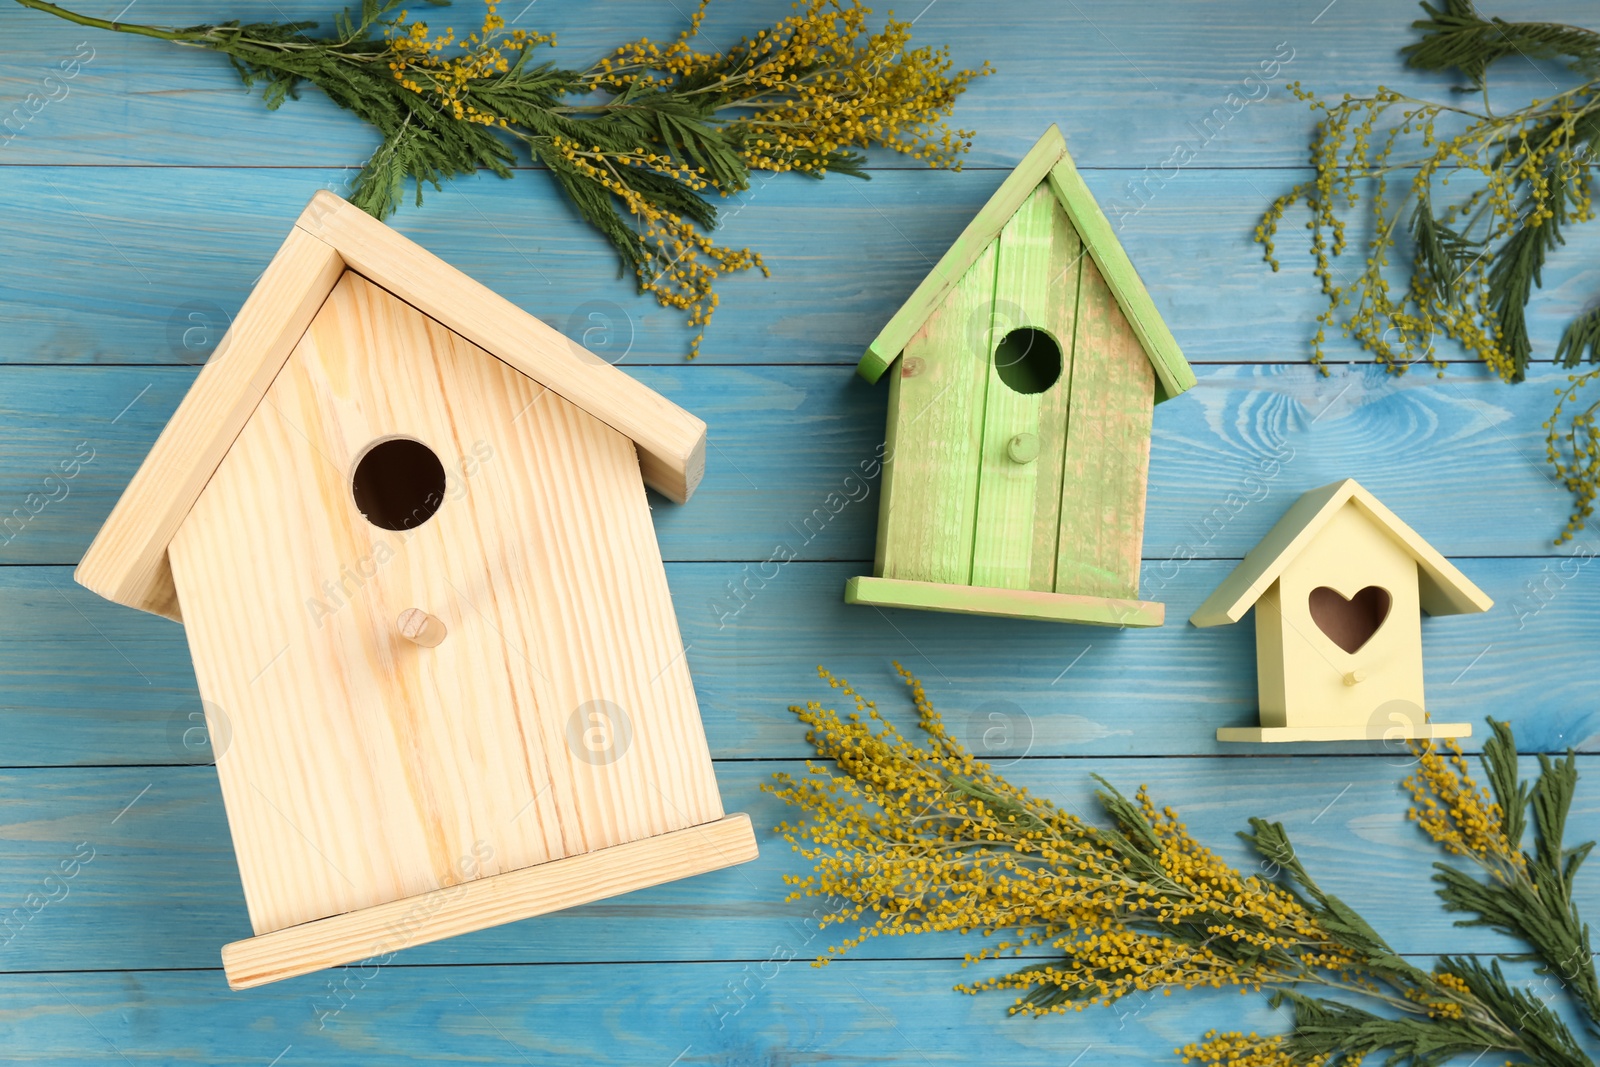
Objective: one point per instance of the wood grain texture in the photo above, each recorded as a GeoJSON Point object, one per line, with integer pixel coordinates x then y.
{"type": "Point", "coordinates": [1133, 299]}
{"type": "Point", "coordinates": [1061, 302]}
{"type": "Point", "coordinates": [377, 933]}
{"type": "Point", "coordinates": [1137, 82]}
{"type": "Point", "coordinates": [125, 910]}
{"type": "Point", "coordinates": [963, 254]}
{"type": "Point", "coordinates": [127, 562]}
{"type": "Point", "coordinates": [843, 256]}
{"type": "Point", "coordinates": [128, 696]}
{"type": "Point", "coordinates": [1019, 503]}
{"type": "Point", "coordinates": [792, 444]}
{"type": "Point", "coordinates": [155, 189]}
{"type": "Point", "coordinates": [761, 1010]}
{"type": "Point", "coordinates": [936, 408]}
{"type": "Point", "coordinates": [1003, 603]}
{"type": "Point", "coordinates": [671, 442]}
{"type": "Point", "coordinates": [1107, 457]}
{"type": "Point", "coordinates": [362, 768]}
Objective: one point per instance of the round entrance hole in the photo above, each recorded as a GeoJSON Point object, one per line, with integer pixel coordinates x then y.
{"type": "Point", "coordinates": [1028, 360]}
{"type": "Point", "coordinates": [398, 484]}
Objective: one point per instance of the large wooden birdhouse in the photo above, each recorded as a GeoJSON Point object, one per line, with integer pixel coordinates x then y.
{"type": "Point", "coordinates": [1339, 586]}
{"type": "Point", "coordinates": [1023, 374]}
{"type": "Point", "coordinates": [405, 527]}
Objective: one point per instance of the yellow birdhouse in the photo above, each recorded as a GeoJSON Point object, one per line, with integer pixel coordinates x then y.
{"type": "Point", "coordinates": [405, 527]}
{"type": "Point", "coordinates": [1339, 586]}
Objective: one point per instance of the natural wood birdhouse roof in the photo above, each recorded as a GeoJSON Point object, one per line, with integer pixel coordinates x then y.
{"type": "Point", "coordinates": [128, 563]}
{"type": "Point", "coordinates": [1048, 162]}
{"type": "Point", "coordinates": [1444, 589]}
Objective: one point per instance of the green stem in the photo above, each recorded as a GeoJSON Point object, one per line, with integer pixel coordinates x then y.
{"type": "Point", "coordinates": [221, 38]}
{"type": "Point", "coordinates": [1511, 1040]}
{"type": "Point", "coordinates": [180, 36]}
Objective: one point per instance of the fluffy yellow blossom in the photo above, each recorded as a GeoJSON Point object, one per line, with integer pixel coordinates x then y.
{"type": "Point", "coordinates": [1454, 811]}
{"type": "Point", "coordinates": [1575, 452]}
{"type": "Point", "coordinates": [909, 835]}
{"type": "Point", "coordinates": [1470, 256]}
{"type": "Point", "coordinates": [448, 82]}
{"type": "Point", "coordinates": [676, 262]}
{"type": "Point", "coordinates": [803, 96]}
{"type": "Point", "coordinates": [679, 123]}
{"type": "Point", "coordinates": [1235, 1049]}
{"type": "Point", "coordinates": [912, 838]}
{"type": "Point", "coordinates": [816, 85]}
{"type": "Point", "coordinates": [1447, 998]}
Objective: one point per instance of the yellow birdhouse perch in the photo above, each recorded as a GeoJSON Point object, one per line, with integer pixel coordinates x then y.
{"type": "Point", "coordinates": [1339, 586]}
{"type": "Point", "coordinates": [1023, 373]}
{"type": "Point", "coordinates": [404, 524]}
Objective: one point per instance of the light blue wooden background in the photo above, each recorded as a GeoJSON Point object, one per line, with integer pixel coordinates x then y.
{"type": "Point", "coordinates": [155, 188]}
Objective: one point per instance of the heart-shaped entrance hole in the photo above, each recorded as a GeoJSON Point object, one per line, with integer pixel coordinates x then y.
{"type": "Point", "coordinates": [1349, 623]}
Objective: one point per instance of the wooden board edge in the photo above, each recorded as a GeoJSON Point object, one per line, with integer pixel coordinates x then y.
{"type": "Point", "coordinates": [686, 473]}
{"type": "Point", "coordinates": [962, 254]}
{"type": "Point", "coordinates": [1172, 371]}
{"type": "Point", "coordinates": [1451, 592]}
{"type": "Point", "coordinates": [1265, 561]}
{"type": "Point", "coordinates": [378, 932]}
{"type": "Point", "coordinates": [881, 538]}
{"type": "Point", "coordinates": [874, 363]}
{"type": "Point", "coordinates": [126, 562]}
{"type": "Point", "coordinates": [1270, 735]}
{"type": "Point", "coordinates": [670, 440]}
{"type": "Point", "coordinates": [1003, 603]}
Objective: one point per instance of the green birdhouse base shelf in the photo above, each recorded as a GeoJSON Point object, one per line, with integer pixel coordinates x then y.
{"type": "Point", "coordinates": [1006, 603]}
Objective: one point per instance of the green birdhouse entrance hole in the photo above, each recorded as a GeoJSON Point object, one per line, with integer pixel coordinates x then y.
{"type": "Point", "coordinates": [1028, 360]}
{"type": "Point", "coordinates": [1023, 375]}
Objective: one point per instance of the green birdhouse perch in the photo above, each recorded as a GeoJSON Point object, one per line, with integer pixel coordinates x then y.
{"type": "Point", "coordinates": [1025, 369]}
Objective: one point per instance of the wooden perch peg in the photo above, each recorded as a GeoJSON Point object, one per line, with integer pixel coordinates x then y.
{"type": "Point", "coordinates": [418, 626]}
{"type": "Point", "coordinates": [1023, 448]}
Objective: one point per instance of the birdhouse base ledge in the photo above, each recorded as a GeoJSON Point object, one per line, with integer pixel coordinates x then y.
{"type": "Point", "coordinates": [374, 934]}
{"type": "Point", "coordinates": [1388, 732]}
{"type": "Point", "coordinates": [1005, 603]}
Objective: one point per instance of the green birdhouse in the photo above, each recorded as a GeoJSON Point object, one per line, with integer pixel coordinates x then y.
{"type": "Point", "coordinates": [1023, 373]}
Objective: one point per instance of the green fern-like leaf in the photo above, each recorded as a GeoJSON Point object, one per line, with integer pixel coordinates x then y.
{"type": "Point", "coordinates": [1581, 335]}
{"type": "Point", "coordinates": [1455, 36]}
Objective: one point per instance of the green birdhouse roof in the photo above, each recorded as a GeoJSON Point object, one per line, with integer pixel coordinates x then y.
{"type": "Point", "coordinates": [1049, 162]}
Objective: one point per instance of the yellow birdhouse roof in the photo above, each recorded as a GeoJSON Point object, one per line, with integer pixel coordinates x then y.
{"type": "Point", "coordinates": [128, 563]}
{"type": "Point", "coordinates": [1444, 589]}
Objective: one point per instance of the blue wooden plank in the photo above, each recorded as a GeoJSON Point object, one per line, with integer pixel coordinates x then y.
{"type": "Point", "coordinates": [1125, 86]}
{"type": "Point", "coordinates": [1460, 458]}
{"type": "Point", "coordinates": [156, 884]}
{"type": "Point", "coordinates": [762, 1011]}
{"type": "Point", "coordinates": [1068, 690]}
{"type": "Point", "coordinates": [145, 265]}
{"type": "Point", "coordinates": [127, 263]}
{"type": "Point", "coordinates": [767, 1010]}
{"type": "Point", "coordinates": [793, 453]}
{"type": "Point", "coordinates": [778, 436]}
{"type": "Point", "coordinates": [83, 681]}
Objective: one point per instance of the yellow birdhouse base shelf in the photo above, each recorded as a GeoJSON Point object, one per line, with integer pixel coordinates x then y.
{"type": "Point", "coordinates": [1005, 603]}
{"type": "Point", "coordinates": [374, 934]}
{"type": "Point", "coordinates": [1389, 732]}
